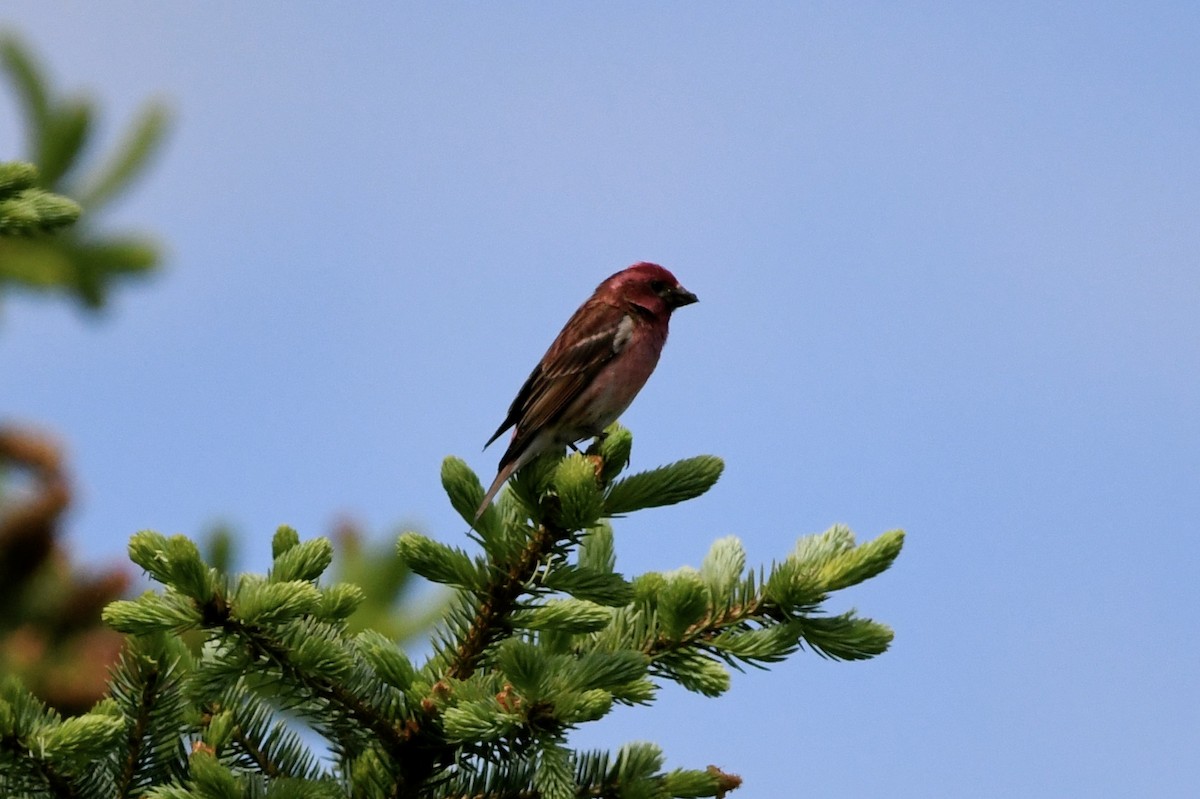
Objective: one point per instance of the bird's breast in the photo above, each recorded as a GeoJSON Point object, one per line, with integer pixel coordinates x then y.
{"type": "Point", "coordinates": [618, 382]}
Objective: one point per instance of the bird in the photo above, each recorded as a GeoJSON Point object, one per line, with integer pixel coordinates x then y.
{"type": "Point", "coordinates": [596, 366]}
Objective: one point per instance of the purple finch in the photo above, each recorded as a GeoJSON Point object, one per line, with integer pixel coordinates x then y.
{"type": "Point", "coordinates": [594, 369]}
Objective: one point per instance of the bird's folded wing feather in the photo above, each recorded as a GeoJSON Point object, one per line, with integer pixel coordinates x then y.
{"type": "Point", "coordinates": [590, 339]}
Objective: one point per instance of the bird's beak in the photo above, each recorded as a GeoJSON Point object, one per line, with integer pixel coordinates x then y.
{"type": "Point", "coordinates": [679, 297]}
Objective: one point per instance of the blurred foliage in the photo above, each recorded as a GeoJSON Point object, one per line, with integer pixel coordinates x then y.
{"type": "Point", "coordinates": [50, 630]}
{"type": "Point", "coordinates": [51, 635]}
{"type": "Point", "coordinates": [82, 261]}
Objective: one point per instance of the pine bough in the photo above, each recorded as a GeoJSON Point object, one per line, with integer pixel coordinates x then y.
{"type": "Point", "coordinates": [543, 635]}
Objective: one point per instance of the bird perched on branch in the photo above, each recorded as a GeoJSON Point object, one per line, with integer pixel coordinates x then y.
{"type": "Point", "coordinates": [594, 369]}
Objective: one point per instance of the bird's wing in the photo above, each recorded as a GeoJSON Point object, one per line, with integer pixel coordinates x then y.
{"type": "Point", "coordinates": [590, 339]}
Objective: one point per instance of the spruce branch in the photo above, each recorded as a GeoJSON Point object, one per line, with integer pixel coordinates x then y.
{"type": "Point", "coordinates": [516, 667]}
{"type": "Point", "coordinates": [44, 771]}
{"type": "Point", "coordinates": [720, 614]}
{"type": "Point", "coordinates": [147, 688]}
{"type": "Point", "coordinates": [542, 635]}
{"type": "Point", "coordinates": [499, 599]}
{"type": "Point", "coordinates": [246, 732]}
{"type": "Point", "coordinates": [41, 753]}
{"type": "Point", "coordinates": [329, 703]}
{"type": "Point", "coordinates": [265, 648]}
{"type": "Point", "coordinates": [281, 639]}
{"type": "Point", "coordinates": [136, 734]}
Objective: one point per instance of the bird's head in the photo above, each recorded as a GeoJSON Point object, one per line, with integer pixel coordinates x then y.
{"type": "Point", "coordinates": [650, 287]}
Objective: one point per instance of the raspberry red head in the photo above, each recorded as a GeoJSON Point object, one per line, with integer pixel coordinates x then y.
{"type": "Point", "coordinates": [649, 286]}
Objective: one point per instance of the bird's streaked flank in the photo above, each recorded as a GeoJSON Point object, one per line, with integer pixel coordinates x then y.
{"type": "Point", "coordinates": [593, 370]}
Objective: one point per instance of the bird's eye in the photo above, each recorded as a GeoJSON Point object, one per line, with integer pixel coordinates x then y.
{"type": "Point", "coordinates": [658, 286]}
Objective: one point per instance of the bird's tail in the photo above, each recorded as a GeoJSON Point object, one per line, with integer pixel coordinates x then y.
{"type": "Point", "coordinates": [505, 472]}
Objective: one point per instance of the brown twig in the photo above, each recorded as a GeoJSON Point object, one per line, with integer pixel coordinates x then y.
{"type": "Point", "coordinates": [27, 530]}
{"type": "Point", "coordinates": [500, 598]}
{"type": "Point", "coordinates": [55, 640]}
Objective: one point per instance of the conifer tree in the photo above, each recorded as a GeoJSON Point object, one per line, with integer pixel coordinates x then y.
{"type": "Point", "coordinates": [544, 634]}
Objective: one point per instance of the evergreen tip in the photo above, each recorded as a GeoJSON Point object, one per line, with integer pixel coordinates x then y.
{"type": "Point", "coordinates": [666, 485]}
{"type": "Point", "coordinates": [462, 487]}
{"type": "Point", "coordinates": [15, 176]}
{"type": "Point", "coordinates": [615, 450]}
{"type": "Point", "coordinates": [683, 601]}
{"type": "Point", "coordinates": [284, 539]}
{"type": "Point", "coordinates": [301, 561]}
{"type": "Point", "coordinates": [579, 498]}
{"type": "Point", "coordinates": [438, 562]}
{"type": "Point", "coordinates": [174, 562]}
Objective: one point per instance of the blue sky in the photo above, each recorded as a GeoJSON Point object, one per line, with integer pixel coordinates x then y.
{"type": "Point", "coordinates": [947, 256]}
